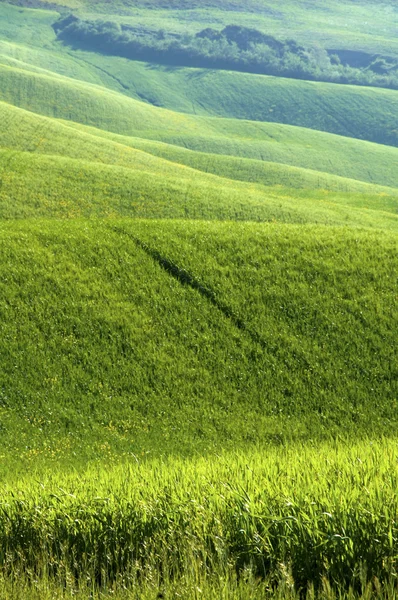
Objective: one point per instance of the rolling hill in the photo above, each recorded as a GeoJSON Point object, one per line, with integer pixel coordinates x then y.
{"type": "Point", "coordinates": [364, 113]}
{"type": "Point", "coordinates": [174, 314]}
{"type": "Point", "coordinates": [198, 324]}
{"type": "Point", "coordinates": [43, 174]}
{"type": "Point", "coordinates": [343, 24]}
{"type": "Point", "coordinates": [74, 149]}
{"type": "Point", "coordinates": [91, 105]}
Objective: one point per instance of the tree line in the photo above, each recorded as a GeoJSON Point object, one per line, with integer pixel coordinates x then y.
{"type": "Point", "coordinates": [232, 48]}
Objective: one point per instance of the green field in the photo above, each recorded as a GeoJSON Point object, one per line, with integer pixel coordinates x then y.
{"type": "Point", "coordinates": [353, 24]}
{"type": "Point", "coordinates": [115, 178]}
{"type": "Point", "coordinates": [91, 105]}
{"type": "Point", "coordinates": [205, 353]}
{"type": "Point", "coordinates": [192, 365]}
{"type": "Point", "coordinates": [197, 518]}
{"type": "Point", "coordinates": [28, 42]}
{"type": "Point", "coordinates": [198, 314]}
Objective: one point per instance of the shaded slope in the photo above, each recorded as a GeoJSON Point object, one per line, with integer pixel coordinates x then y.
{"type": "Point", "coordinates": [364, 113]}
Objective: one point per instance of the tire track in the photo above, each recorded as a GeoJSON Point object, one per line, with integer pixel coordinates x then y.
{"type": "Point", "coordinates": [185, 278]}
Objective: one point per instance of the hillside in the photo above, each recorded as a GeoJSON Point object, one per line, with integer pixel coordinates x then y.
{"type": "Point", "coordinates": [180, 332]}
{"type": "Point", "coordinates": [234, 47]}
{"type": "Point", "coordinates": [350, 24]}
{"type": "Point", "coordinates": [198, 292]}
{"type": "Point", "coordinates": [88, 104]}
{"type": "Point", "coordinates": [72, 148]}
{"type": "Point", "coordinates": [364, 113]}
{"type": "Point", "coordinates": [43, 174]}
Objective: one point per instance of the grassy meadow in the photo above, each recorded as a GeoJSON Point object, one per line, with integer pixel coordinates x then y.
{"type": "Point", "coordinates": [277, 340]}
{"type": "Point", "coordinates": [268, 142]}
{"type": "Point", "coordinates": [198, 314]}
{"type": "Point", "coordinates": [27, 42]}
{"type": "Point", "coordinates": [180, 333]}
{"type": "Point", "coordinates": [367, 113]}
{"type": "Point", "coordinates": [343, 24]}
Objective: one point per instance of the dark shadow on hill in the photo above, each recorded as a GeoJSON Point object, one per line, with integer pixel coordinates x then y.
{"type": "Point", "coordinates": [234, 48]}
{"type": "Point", "coordinates": [187, 279]}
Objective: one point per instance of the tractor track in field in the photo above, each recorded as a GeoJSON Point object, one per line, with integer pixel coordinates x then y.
{"type": "Point", "coordinates": [97, 68]}
{"type": "Point", "coordinates": [187, 279]}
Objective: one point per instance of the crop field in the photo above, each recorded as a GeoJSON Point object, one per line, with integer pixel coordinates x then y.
{"type": "Point", "coordinates": [367, 113]}
{"type": "Point", "coordinates": [89, 294]}
{"type": "Point", "coordinates": [198, 313]}
{"type": "Point", "coordinates": [343, 24]}
{"type": "Point", "coordinates": [157, 527]}
{"type": "Point", "coordinates": [292, 146]}
{"type": "Point", "coordinates": [342, 109]}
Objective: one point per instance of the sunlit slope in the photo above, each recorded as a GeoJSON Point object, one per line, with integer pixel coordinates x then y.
{"type": "Point", "coordinates": [53, 186]}
{"type": "Point", "coordinates": [26, 26]}
{"type": "Point", "coordinates": [49, 168]}
{"type": "Point", "coordinates": [239, 167]}
{"type": "Point", "coordinates": [161, 335]}
{"type": "Point", "coordinates": [28, 132]}
{"type": "Point", "coordinates": [49, 61]}
{"type": "Point", "coordinates": [68, 99]}
{"type": "Point", "coordinates": [360, 112]}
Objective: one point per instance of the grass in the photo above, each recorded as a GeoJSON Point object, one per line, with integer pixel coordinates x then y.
{"type": "Point", "coordinates": [357, 25]}
{"type": "Point", "coordinates": [201, 405]}
{"type": "Point", "coordinates": [64, 98]}
{"type": "Point", "coordinates": [35, 185]}
{"type": "Point", "coordinates": [257, 170]}
{"type": "Point", "coordinates": [258, 524]}
{"type": "Point", "coordinates": [351, 24]}
{"type": "Point", "coordinates": [151, 336]}
{"type": "Point", "coordinates": [32, 27]}
{"type": "Point", "coordinates": [363, 113]}
{"type": "Point", "coordinates": [43, 175]}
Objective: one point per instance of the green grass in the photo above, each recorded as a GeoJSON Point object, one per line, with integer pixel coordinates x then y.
{"type": "Point", "coordinates": [117, 180]}
{"type": "Point", "coordinates": [91, 105]}
{"type": "Point", "coordinates": [32, 27]}
{"type": "Point", "coordinates": [182, 337]}
{"type": "Point", "coordinates": [201, 406]}
{"type": "Point", "coordinates": [358, 25]}
{"type": "Point", "coordinates": [245, 169]}
{"type": "Point", "coordinates": [47, 60]}
{"type": "Point", "coordinates": [43, 174]}
{"type": "Point", "coordinates": [310, 519]}
{"type": "Point", "coordinates": [34, 186]}
{"type": "Point", "coordinates": [363, 113]}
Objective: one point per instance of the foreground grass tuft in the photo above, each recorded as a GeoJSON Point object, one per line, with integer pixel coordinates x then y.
{"type": "Point", "coordinates": [270, 523]}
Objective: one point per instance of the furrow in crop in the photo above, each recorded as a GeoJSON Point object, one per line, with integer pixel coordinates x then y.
{"type": "Point", "coordinates": [185, 278]}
